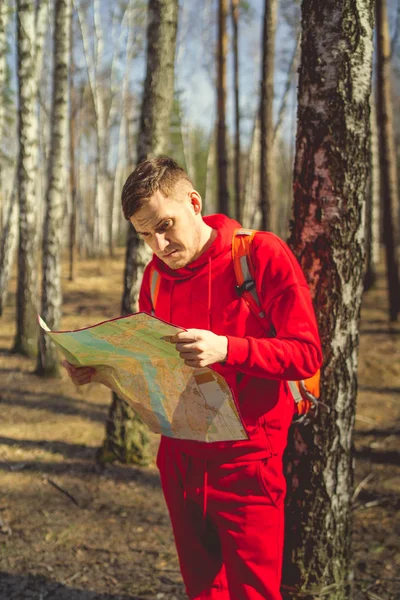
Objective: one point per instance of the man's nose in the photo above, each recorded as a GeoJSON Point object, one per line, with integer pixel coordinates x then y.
{"type": "Point", "coordinates": [161, 241]}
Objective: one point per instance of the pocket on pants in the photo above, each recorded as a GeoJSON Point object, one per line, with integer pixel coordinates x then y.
{"type": "Point", "coordinates": [271, 480]}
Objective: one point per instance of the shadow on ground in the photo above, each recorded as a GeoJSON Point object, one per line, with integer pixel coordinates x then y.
{"type": "Point", "coordinates": [16, 587]}
{"type": "Point", "coordinates": [66, 405]}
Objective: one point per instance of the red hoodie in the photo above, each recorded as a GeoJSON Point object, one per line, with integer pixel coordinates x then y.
{"type": "Point", "coordinates": [203, 295]}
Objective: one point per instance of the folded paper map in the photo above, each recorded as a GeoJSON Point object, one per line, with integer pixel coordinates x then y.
{"type": "Point", "coordinates": [133, 356]}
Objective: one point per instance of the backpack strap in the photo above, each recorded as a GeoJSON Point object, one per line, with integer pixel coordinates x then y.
{"type": "Point", "coordinates": [244, 270]}
{"type": "Point", "coordinates": [154, 280]}
{"type": "Point", "coordinates": [304, 395]}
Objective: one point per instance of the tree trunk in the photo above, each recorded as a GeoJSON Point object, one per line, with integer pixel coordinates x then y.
{"type": "Point", "coordinates": [222, 154]}
{"type": "Point", "coordinates": [126, 436]}
{"type": "Point", "coordinates": [4, 12]}
{"type": "Point", "coordinates": [327, 236]}
{"type": "Point", "coordinates": [94, 65]}
{"type": "Point", "coordinates": [251, 208]}
{"type": "Point", "coordinates": [210, 204]}
{"type": "Point", "coordinates": [9, 240]}
{"type": "Point", "coordinates": [10, 231]}
{"type": "Point", "coordinates": [238, 162]}
{"type": "Point", "coordinates": [387, 156]}
{"type": "Point", "coordinates": [48, 361]}
{"type": "Point", "coordinates": [373, 233]}
{"type": "Point", "coordinates": [26, 337]}
{"type": "Point", "coordinates": [288, 86]}
{"type": "Point", "coordinates": [71, 152]}
{"type": "Point", "coordinates": [266, 112]}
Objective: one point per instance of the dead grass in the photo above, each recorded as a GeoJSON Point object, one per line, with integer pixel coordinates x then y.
{"type": "Point", "coordinates": [69, 531]}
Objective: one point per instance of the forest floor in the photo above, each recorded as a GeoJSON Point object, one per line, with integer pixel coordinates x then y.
{"type": "Point", "coordinates": [72, 531]}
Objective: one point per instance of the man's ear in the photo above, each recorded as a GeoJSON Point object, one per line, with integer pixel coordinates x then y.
{"type": "Point", "coordinates": [195, 200]}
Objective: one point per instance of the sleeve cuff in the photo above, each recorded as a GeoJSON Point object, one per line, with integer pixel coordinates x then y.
{"type": "Point", "coordinates": [238, 351]}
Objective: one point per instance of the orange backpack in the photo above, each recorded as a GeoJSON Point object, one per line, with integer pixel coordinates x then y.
{"type": "Point", "coordinates": [305, 392]}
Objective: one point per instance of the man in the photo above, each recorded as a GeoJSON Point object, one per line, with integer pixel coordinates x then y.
{"type": "Point", "coordinates": [225, 499]}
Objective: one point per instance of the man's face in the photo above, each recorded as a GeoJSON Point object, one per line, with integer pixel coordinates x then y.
{"type": "Point", "coordinates": [171, 226]}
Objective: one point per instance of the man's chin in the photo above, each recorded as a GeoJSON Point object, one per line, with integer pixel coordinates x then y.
{"type": "Point", "coordinates": [179, 263]}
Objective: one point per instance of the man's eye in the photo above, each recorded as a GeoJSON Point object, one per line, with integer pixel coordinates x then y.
{"type": "Point", "coordinates": [166, 224]}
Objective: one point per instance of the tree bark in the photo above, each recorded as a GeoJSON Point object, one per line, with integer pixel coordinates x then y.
{"type": "Point", "coordinates": [26, 336]}
{"type": "Point", "coordinates": [251, 209]}
{"type": "Point", "coordinates": [222, 154]}
{"type": "Point", "coordinates": [288, 86]}
{"type": "Point", "coordinates": [266, 112]}
{"type": "Point", "coordinates": [4, 13]}
{"type": "Point", "coordinates": [11, 227]}
{"type": "Point", "coordinates": [48, 361]}
{"type": "Point", "coordinates": [126, 436]}
{"type": "Point", "coordinates": [238, 162]}
{"type": "Point", "coordinates": [373, 229]}
{"type": "Point", "coordinates": [71, 152]}
{"type": "Point", "coordinates": [387, 156]}
{"type": "Point", "coordinates": [328, 238]}
{"type": "Point", "coordinates": [9, 239]}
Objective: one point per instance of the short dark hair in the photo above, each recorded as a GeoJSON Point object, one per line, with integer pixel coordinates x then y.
{"type": "Point", "coordinates": [150, 176]}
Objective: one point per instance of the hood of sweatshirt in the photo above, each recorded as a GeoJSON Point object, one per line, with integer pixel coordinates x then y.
{"type": "Point", "coordinates": [225, 228]}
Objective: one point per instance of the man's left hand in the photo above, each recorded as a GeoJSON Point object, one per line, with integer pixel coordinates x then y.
{"type": "Point", "coordinates": [200, 348]}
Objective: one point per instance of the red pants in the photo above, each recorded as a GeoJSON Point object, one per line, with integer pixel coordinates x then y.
{"type": "Point", "coordinates": [228, 524]}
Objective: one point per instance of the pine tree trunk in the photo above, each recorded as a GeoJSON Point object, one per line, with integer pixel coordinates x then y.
{"type": "Point", "coordinates": [126, 436]}
{"type": "Point", "coordinates": [222, 154]}
{"type": "Point", "coordinates": [238, 162]}
{"type": "Point", "coordinates": [48, 361]}
{"type": "Point", "coordinates": [387, 155]}
{"type": "Point", "coordinates": [328, 238]}
{"type": "Point", "coordinates": [26, 337]}
{"type": "Point", "coordinates": [266, 112]}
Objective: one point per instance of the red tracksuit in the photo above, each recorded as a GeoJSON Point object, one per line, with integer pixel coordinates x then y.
{"type": "Point", "coordinates": [225, 499]}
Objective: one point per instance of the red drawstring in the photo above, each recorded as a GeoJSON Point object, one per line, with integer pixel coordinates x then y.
{"type": "Point", "coordinates": [205, 493]}
{"type": "Point", "coordinates": [209, 293]}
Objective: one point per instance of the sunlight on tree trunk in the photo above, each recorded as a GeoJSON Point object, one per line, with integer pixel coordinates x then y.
{"type": "Point", "coordinates": [222, 154]}
{"type": "Point", "coordinates": [27, 293]}
{"type": "Point", "coordinates": [267, 166]}
{"type": "Point", "coordinates": [48, 359]}
{"type": "Point", "coordinates": [237, 162]}
{"type": "Point", "coordinates": [126, 436]}
{"type": "Point", "coordinates": [387, 154]}
{"type": "Point", "coordinates": [328, 238]}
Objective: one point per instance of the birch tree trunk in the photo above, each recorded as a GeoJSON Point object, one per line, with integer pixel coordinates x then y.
{"type": "Point", "coordinates": [11, 230]}
{"type": "Point", "coordinates": [222, 154]}
{"type": "Point", "coordinates": [71, 152]}
{"type": "Point", "coordinates": [93, 64]}
{"type": "Point", "coordinates": [327, 236]}
{"type": "Point", "coordinates": [387, 156]}
{"type": "Point", "coordinates": [4, 12]}
{"type": "Point", "coordinates": [26, 336]}
{"type": "Point", "coordinates": [266, 112]}
{"type": "Point", "coordinates": [48, 362]}
{"type": "Point", "coordinates": [373, 232]}
{"type": "Point", "coordinates": [251, 208]}
{"type": "Point", "coordinates": [238, 162]}
{"type": "Point", "coordinates": [126, 436]}
{"type": "Point", "coordinates": [210, 203]}
{"type": "Point", "coordinates": [9, 239]}
{"type": "Point", "coordinates": [288, 85]}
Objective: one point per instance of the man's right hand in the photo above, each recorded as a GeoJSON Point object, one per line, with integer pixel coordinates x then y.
{"type": "Point", "coordinates": [79, 375]}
